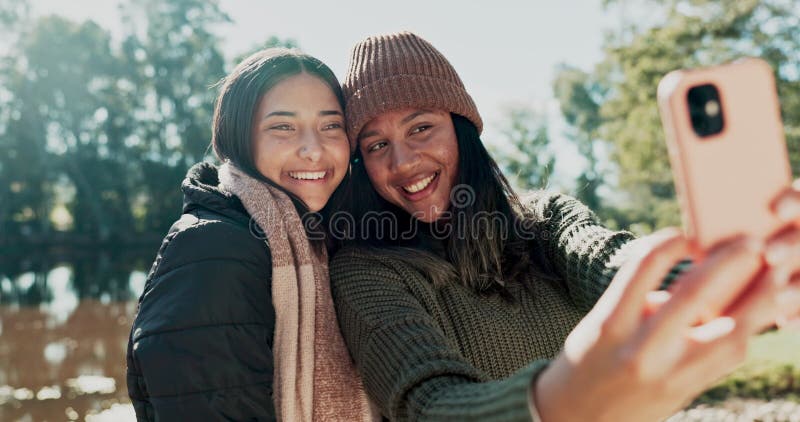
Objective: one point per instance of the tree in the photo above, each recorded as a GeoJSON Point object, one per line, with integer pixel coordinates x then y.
{"type": "Point", "coordinates": [526, 158]}
{"type": "Point", "coordinates": [175, 61]}
{"type": "Point", "coordinates": [107, 130]}
{"type": "Point", "coordinates": [18, 200]}
{"type": "Point", "coordinates": [59, 125]}
{"type": "Point", "coordinates": [13, 12]}
{"type": "Point", "coordinates": [272, 41]}
{"type": "Point", "coordinates": [580, 98]}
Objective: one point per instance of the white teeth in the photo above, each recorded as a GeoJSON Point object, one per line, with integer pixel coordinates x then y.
{"type": "Point", "coordinates": [307, 175]}
{"type": "Point", "coordinates": [422, 184]}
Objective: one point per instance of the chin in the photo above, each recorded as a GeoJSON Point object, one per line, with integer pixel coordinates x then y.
{"type": "Point", "coordinates": [429, 215]}
{"type": "Point", "coordinates": [430, 218]}
{"type": "Point", "coordinates": [315, 204]}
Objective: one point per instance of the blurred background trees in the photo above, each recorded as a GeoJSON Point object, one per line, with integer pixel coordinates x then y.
{"type": "Point", "coordinates": [97, 133]}
{"type": "Point", "coordinates": [96, 137]}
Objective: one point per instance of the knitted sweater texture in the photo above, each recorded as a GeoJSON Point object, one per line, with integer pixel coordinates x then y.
{"type": "Point", "coordinates": [430, 352]}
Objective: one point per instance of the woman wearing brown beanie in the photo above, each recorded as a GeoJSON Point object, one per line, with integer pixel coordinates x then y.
{"type": "Point", "coordinates": [459, 300]}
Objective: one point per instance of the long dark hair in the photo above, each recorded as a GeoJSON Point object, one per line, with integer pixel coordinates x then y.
{"type": "Point", "coordinates": [483, 257]}
{"type": "Point", "coordinates": [238, 100]}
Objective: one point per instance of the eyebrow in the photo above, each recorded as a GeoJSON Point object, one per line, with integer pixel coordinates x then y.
{"type": "Point", "coordinates": [405, 120]}
{"type": "Point", "coordinates": [330, 113]}
{"type": "Point", "coordinates": [280, 113]}
{"type": "Point", "coordinates": [414, 115]}
{"type": "Point", "coordinates": [293, 114]}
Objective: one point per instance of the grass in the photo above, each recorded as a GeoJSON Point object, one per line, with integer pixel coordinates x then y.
{"type": "Point", "coordinates": [772, 369]}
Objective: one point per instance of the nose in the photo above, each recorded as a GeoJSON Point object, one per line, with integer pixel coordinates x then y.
{"type": "Point", "coordinates": [311, 147]}
{"type": "Point", "coordinates": [404, 158]}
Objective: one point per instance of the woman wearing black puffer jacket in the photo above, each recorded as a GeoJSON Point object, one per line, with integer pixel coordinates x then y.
{"type": "Point", "coordinates": [203, 333]}
{"type": "Point", "coordinates": [238, 294]}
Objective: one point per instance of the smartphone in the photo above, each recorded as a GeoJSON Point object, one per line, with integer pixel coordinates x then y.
{"type": "Point", "coordinates": [726, 147]}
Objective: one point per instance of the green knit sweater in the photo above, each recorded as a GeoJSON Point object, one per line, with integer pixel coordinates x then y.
{"type": "Point", "coordinates": [430, 352]}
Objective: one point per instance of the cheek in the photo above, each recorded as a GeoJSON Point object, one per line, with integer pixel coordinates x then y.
{"type": "Point", "coordinates": [372, 172]}
{"type": "Point", "coordinates": [448, 156]}
{"type": "Point", "coordinates": [453, 168]}
{"type": "Point", "coordinates": [269, 156]}
{"type": "Point", "coordinates": [377, 177]}
{"type": "Point", "coordinates": [341, 156]}
{"type": "Point", "coordinates": [260, 150]}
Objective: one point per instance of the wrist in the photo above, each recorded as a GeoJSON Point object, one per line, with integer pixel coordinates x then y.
{"type": "Point", "coordinates": [546, 398]}
{"type": "Point", "coordinates": [533, 408]}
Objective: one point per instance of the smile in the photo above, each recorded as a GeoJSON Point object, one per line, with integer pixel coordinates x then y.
{"type": "Point", "coordinates": [308, 175]}
{"type": "Point", "coordinates": [420, 185]}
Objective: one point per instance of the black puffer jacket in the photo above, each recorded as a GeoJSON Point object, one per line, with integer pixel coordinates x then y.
{"type": "Point", "coordinates": [201, 345]}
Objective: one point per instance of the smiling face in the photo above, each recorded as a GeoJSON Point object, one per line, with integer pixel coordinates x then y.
{"type": "Point", "coordinates": [411, 157]}
{"type": "Point", "coordinates": [299, 141]}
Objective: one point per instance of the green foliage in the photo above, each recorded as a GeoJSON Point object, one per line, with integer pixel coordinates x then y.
{"type": "Point", "coordinates": [271, 42]}
{"type": "Point", "coordinates": [13, 12]}
{"type": "Point", "coordinates": [53, 112]}
{"type": "Point", "coordinates": [580, 97]}
{"type": "Point", "coordinates": [524, 156]}
{"type": "Point", "coordinates": [175, 62]}
{"type": "Point", "coordinates": [772, 370]}
{"type": "Point", "coordinates": [107, 130]}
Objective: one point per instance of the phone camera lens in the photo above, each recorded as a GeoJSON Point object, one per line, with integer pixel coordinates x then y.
{"type": "Point", "coordinates": [705, 110]}
{"type": "Point", "coordinates": [712, 108]}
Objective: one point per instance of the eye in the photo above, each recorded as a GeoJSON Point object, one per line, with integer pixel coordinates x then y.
{"type": "Point", "coordinates": [281, 126]}
{"type": "Point", "coordinates": [333, 126]}
{"type": "Point", "coordinates": [377, 146]}
{"type": "Point", "coordinates": [420, 128]}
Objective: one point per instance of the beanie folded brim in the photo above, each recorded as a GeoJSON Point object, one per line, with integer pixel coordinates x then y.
{"type": "Point", "coordinates": [406, 91]}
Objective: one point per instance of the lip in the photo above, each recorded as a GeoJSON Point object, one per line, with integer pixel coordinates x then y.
{"type": "Point", "coordinates": [417, 196]}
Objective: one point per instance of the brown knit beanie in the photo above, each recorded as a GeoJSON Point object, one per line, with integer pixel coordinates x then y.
{"type": "Point", "coordinates": [401, 70]}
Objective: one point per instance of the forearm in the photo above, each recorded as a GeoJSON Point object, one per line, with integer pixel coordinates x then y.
{"type": "Point", "coordinates": [458, 398]}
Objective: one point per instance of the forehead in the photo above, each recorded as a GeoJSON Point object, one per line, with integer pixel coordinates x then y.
{"type": "Point", "coordinates": [395, 118]}
{"type": "Point", "coordinates": [299, 90]}
{"type": "Point", "coordinates": [390, 117]}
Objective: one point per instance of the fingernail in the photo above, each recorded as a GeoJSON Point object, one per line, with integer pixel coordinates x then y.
{"type": "Point", "coordinates": [713, 329]}
{"type": "Point", "coordinates": [788, 209]}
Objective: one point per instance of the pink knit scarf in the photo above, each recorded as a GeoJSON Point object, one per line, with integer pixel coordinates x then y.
{"type": "Point", "coordinates": [314, 377]}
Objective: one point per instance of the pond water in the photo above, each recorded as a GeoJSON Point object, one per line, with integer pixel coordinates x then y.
{"type": "Point", "coordinates": [65, 316]}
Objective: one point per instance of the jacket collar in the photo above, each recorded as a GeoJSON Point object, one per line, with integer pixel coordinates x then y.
{"type": "Point", "coordinates": [201, 190]}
